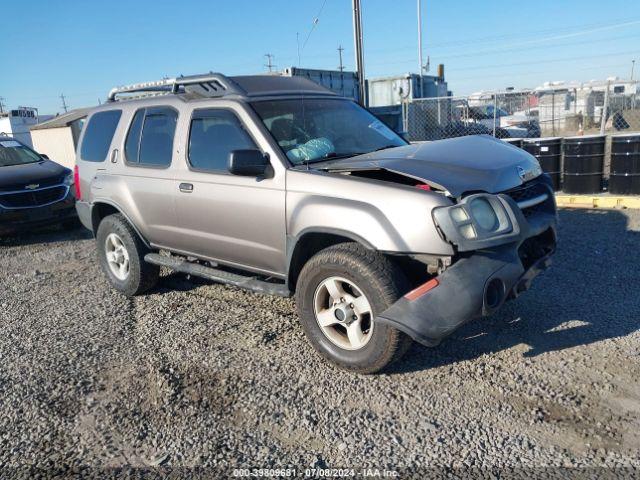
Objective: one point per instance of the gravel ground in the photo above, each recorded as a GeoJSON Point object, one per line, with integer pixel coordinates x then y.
{"type": "Point", "coordinates": [205, 378]}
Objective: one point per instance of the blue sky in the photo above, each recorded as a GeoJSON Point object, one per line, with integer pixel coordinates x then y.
{"type": "Point", "coordinates": [83, 48]}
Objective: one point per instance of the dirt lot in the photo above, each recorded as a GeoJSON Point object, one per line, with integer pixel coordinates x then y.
{"type": "Point", "coordinates": [206, 378]}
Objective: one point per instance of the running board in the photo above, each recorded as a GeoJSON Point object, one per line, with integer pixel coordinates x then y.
{"type": "Point", "coordinates": [241, 281]}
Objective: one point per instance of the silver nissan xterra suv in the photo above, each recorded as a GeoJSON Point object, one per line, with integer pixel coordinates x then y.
{"type": "Point", "coordinates": [277, 185]}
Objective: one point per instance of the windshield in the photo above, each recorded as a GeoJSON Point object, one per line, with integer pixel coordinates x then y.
{"type": "Point", "coordinates": [311, 130]}
{"type": "Point", "coordinates": [14, 153]}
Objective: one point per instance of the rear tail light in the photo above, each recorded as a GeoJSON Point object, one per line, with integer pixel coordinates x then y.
{"type": "Point", "coordinates": [76, 182]}
{"type": "Point", "coordinates": [423, 186]}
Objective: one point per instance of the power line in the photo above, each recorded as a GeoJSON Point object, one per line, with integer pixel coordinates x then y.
{"type": "Point", "coordinates": [542, 62]}
{"type": "Point", "coordinates": [473, 79]}
{"type": "Point", "coordinates": [590, 28]}
{"type": "Point", "coordinates": [535, 47]}
{"type": "Point", "coordinates": [518, 49]}
{"type": "Point", "coordinates": [509, 47]}
{"type": "Point", "coordinates": [316, 20]}
{"type": "Point", "coordinates": [64, 103]}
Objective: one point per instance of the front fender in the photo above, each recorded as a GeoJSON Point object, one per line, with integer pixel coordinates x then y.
{"type": "Point", "coordinates": [385, 217]}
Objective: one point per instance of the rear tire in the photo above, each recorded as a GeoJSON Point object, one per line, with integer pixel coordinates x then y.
{"type": "Point", "coordinates": [351, 272]}
{"type": "Point", "coordinates": [121, 256]}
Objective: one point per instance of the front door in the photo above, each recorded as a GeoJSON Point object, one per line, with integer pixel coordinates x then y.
{"type": "Point", "coordinates": [234, 219]}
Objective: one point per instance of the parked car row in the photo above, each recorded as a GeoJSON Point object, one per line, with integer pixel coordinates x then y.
{"type": "Point", "coordinates": [490, 120]}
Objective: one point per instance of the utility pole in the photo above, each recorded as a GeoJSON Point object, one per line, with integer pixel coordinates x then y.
{"type": "Point", "coordinates": [633, 66]}
{"type": "Point", "coordinates": [1, 104]}
{"type": "Point", "coordinates": [64, 103]}
{"type": "Point", "coordinates": [605, 110]}
{"type": "Point", "coordinates": [340, 50]}
{"type": "Point", "coordinates": [269, 63]}
{"type": "Point", "coordinates": [420, 62]}
{"type": "Point", "coordinates": [357, 40]}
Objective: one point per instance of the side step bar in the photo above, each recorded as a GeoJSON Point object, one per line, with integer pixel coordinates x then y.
{"type": "Point", "coordinates": [241, 281]}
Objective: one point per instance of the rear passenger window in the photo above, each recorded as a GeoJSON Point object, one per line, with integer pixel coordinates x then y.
{"type": "Point", "coordinates": [98, 135]}
{"type": "Point", "coordinates": [213, 135]}
{"type": "Point", "coordinates": [150, 138]}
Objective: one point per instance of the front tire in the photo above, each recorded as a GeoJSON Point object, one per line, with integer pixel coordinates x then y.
{"type": "Point", "coordinates": [121, 256]}
{"type": "Point", "coordinates": [340, 290]}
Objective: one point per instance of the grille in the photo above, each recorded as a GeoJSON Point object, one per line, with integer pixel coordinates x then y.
{"type": "Point", "coordinates": [33, 199]}
{"type": "Point", "coordinates": [528, 191]}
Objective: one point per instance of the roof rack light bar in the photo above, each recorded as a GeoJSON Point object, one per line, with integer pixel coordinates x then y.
{"type": "Point", "coordinates": [214, 84]}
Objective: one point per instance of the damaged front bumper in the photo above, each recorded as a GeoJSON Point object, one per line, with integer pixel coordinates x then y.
{"type": "Point", "coordinates": [478, 283]}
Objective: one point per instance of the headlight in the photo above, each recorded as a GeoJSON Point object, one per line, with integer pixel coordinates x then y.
{"type": "Point", "coordinates": [484, 215]}
{"type": "Point", "coordinates": [68, 180]}
{"type": "Point", "coordinates": [476, 218]}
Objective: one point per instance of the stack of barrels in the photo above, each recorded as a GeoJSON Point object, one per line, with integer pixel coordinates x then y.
{"type": "Point", "coordinates": [583, 166]}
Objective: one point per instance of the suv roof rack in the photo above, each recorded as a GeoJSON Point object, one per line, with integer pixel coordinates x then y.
{"type": "Point", "coordinates": [208, 85]}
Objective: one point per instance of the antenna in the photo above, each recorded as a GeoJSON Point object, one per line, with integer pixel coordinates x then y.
{"type": "Point", "coordinates": [269, 63]}
{"type": "Point", "coordinates": [64, 103]}
{"type": "Point", "coordinates": [340, 50]}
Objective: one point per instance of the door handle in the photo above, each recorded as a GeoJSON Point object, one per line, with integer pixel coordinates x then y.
{"type": "Point", "coordinates": [186, 187]}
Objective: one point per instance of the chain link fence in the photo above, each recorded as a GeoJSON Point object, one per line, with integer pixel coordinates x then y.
{"type": "Point", "coordinates": [554, 110]}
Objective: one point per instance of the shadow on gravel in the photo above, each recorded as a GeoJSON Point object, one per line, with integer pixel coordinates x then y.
{"type": "Point", "coordinates": [45, 235]}
{"type": "Point", "coordinates": [588, 295]}
{"type": "Point", "coordinates": [176, 281]}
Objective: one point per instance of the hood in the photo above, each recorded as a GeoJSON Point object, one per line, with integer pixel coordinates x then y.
{"type": "Point", "coordinates": [45, 173]}
{"type": "Point", "coordinates": [457, 165]}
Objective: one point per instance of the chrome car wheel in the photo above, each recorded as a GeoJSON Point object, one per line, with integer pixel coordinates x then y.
{"type": "Point", "coordinates": [343, 313]}
{"type": "Point", "coordinates": [117, 256]}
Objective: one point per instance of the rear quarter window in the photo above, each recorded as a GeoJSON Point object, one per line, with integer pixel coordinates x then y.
{"type": "Point", "coordinates": [98, 135]}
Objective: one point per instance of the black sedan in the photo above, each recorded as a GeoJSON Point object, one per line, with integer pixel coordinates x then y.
{"type": "Point", "coordinates": [34, 191]}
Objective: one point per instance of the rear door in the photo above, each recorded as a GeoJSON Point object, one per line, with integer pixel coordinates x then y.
{"type": "Point", "coordinates": [145, 175]}
{"type": "Point", "coordinates": [234, 219]}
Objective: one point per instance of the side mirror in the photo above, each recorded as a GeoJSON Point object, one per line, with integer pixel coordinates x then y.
{"type": "Point", "coordinates": [45, 156]}
{"type": "Point", "coordinates": [248, 163]}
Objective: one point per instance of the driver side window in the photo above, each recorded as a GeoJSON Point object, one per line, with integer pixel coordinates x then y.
{"type": "Point", "coordinates": [213, 135]}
